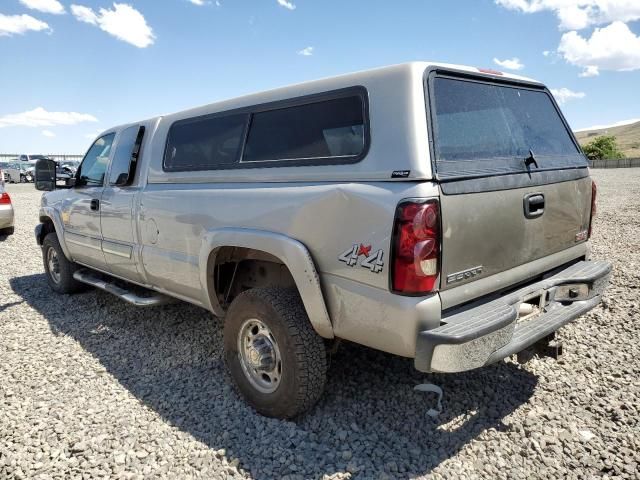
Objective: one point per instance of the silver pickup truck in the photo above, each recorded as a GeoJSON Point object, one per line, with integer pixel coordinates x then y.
{"type": "Point", "coordinates": [436, 212]}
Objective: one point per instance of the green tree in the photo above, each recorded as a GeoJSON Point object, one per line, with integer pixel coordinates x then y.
{"type": "Point", "coordinates": [603, 147]}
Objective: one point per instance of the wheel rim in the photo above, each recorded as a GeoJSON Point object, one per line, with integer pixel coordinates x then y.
{"type": "Point", "coordinates": [54, 265]}
{"type": "Point", "coordinates": [259, 356]}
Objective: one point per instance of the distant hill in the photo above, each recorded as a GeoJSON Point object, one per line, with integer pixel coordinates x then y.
{"type": "Point", "coordinates": [627, 137]}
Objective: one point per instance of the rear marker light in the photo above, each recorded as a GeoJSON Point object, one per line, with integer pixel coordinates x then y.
{"type": "Point", "coordinates": [490, 71]}
{"type": "Point", "coordinates": [5, 199]}
{"type": "Point", "coordinates": [416, 247]}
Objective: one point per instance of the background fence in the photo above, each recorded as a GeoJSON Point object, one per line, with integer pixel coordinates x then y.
{"type": "Point", "coordinates": [617, 163]}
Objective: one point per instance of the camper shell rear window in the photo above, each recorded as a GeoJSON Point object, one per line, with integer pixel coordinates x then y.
{"type": "Point", "coordinates": [482, 128]}
{"type": "Point", "coordinates": [324, 129]}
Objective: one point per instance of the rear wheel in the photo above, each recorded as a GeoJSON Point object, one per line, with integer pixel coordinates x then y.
{"type": "Point", "coordinates": [7, 231]}
{"type": "Point", "coordinates": [276, 359]}
{"type": "Point", "coordinates": [58, 269]}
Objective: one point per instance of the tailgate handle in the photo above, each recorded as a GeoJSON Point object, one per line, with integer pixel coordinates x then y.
{"type": "Point", "coordinates": [533, 205]}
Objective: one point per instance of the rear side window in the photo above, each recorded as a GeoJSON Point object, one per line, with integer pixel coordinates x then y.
{"type": "Point", "coordinates": [320, 129]}
{"type": "Point", "coordinates": [483, 129]}
{"type": "Point", "coordinates": [205, 143]}
{"type": "Point", "coordinates": [325, 129]}
{"type": "Point", "coordinates": [128, 146]}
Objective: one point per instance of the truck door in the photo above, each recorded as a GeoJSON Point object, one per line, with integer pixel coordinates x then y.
{"type": "Point", "coordinates": [81, 208]}
{"type": "Point", "coordinates": [117, 212]}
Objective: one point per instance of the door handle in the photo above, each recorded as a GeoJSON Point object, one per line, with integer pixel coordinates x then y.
{"type": "Point", "coordinates": [95, 204]}
{"type": "Point", "coordinates": [533, 205]}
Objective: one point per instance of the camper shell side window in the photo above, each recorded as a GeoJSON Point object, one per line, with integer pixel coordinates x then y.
{"type": "Point", "coordinates": [323, 129]}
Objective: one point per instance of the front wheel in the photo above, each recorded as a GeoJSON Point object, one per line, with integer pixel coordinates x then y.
{"type": "Point", "coordinates": [58, 269]}
{"type": "Point", "coordinates": [276, 359]}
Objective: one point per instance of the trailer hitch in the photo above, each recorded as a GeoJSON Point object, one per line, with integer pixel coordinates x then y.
{"type": "Point", "coordinates": [549, 346]}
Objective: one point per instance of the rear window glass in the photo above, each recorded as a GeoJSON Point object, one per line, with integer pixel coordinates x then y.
{"type": "Point", "coordinates": [326, 129]}
{"type": "Point", "coordinates": [485, 128]}
{"type": "Point", "coordinates": [205, 143]}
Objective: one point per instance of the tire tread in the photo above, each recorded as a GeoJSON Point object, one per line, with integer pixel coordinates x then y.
{"type": "Point", "coordinates": [67, 284]}
{"type": "Point", "coordinates": [308, 346]}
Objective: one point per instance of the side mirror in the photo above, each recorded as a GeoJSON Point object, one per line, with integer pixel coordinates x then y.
{"type": "Point", "coordinates": [45, 175]}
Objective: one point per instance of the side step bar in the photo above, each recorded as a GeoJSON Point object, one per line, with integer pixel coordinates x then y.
{"type": "Point", "coordinates": [95, 279]}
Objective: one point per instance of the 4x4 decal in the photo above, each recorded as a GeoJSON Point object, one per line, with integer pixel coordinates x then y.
{"type": "Point", "coordinates": [373, 261]}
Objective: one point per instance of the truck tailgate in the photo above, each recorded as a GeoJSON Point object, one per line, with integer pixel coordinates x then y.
{"type": "Point", "coordinates": [514, 183]}
{"type": "Point", "coordinates": [489, 232]}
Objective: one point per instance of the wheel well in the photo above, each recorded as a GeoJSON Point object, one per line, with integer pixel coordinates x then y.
{"type": "Point", "coordinates": [236, 269]}
{"type": "Point", "coordinates": [47, 227]}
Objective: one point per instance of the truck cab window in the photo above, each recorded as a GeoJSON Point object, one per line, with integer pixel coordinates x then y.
{"type": "Point", "coordinates": [94, 165]}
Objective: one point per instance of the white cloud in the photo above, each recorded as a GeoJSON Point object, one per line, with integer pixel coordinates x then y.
{"type": "Point", "coordinates": [614, 47]}
{"type": "Point", "coordinates": [45, 6]}
{"type": "Point", "coordinates": [286, 4]}
{"type": "Point", "coordinates": [48, 133]}
{"type": "Point", "coordinates": [19, 24]}
{"type": "Point", "coordinates": [306, 52]}
{"type": "Point", "coordinates": [616, 124]}
{"type": "Point", "coordinates": [563, 95]}
{"type": "Point", "coordinates": [590, 71]}
{"type": "Point", "coordinates": [579, 14]}
{"type": "Point", "coordinates": [510, 64]}
{"type": "Point", "coordinates": [546, 53]}
{"type": "Point", "coordinates": [123, 22]}
{"type": "Point", "coordinates": [200, 3]}
{"type": "Point", "coordinates": [84, 14]}
{"type": "Point", "coordinates": [39, 117]}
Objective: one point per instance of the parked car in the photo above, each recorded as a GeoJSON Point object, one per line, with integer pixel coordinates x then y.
{"type": "Point", "coordinates": [31, 158]}
{"type": "Point", "coordinates": [64, 173]}
{"type": "Point", "coordinates": [19, 172]}
{"type": "Point", "coordinates": [3, 166]}
{"type": "Point", "coordinates": [70, 165]}
{"type": "Point", "coordinates": [435, 212]}
{"type": "Point", "coordinates": [6, 212]}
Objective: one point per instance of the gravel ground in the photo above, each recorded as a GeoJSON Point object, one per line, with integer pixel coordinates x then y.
{"type": "Point", "coordinates": [91, 387]}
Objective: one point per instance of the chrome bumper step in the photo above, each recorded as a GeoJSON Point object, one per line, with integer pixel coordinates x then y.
{"type": "Point", "coordinates": [481, 335]}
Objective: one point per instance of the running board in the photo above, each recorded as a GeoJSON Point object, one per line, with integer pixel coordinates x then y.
{"type": "Point", "coordinates": [95, 279]}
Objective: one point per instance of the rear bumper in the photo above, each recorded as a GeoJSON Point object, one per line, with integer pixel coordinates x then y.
{"type": "Point", "coordinates": [484, 334]}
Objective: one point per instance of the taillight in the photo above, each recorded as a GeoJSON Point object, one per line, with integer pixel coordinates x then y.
{"type": "Point", "coordinates": [416, 247]}
{"type": "Point", "coordinates": [5, 199]}
{"type": "Point", "coordinates": [594, 191]}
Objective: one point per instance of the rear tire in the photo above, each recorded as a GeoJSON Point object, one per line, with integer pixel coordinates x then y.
{"type": "Point", "coordinates": [276, 359]}
{"type": "Point", "coordinates": [6, 231]}
{"type": "Point", "coordinates": [58, 269]}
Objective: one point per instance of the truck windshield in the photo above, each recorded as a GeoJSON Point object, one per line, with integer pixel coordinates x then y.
{"type": "Point", "coordinates": [486, 129]}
